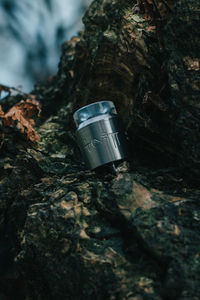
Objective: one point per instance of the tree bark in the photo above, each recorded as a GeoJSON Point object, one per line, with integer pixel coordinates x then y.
{"type": "Point", "coordinates": [68, 233]}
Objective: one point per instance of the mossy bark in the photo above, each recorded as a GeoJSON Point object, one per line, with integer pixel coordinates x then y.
{"type": "Point", "coordinates": [68, 233]}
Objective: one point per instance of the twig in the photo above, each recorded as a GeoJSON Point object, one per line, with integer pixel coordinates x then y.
{"type": "Point", "coordinates": [8, 89]}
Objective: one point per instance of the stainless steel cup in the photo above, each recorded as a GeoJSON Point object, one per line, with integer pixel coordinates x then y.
{"type": "Point", "coordinates": [100, 134]}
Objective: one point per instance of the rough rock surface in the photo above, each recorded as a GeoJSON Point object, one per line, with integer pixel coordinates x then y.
{"type": "Point", "coordinates": [68, 233]}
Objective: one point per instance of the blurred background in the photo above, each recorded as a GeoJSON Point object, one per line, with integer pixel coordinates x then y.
{"type": "Point", "coordinates": [31, 36]}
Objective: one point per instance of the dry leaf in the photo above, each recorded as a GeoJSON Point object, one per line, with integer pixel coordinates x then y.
{"type": "Point", "coordinates": [1, 112]}
{"type": "Point", "coordinates": [22, 113]}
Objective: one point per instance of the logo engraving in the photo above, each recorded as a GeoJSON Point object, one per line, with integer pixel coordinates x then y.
{"type": "Point", "coordinates": [92, 145]}
{"type": "Point", "coordinates": [111, 138]}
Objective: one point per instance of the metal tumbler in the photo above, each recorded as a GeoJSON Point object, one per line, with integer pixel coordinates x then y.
{"type": "Point", "coordinates": [100, 134]}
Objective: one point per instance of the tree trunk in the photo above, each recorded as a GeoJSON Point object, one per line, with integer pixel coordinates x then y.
{"type": "Point", "coordinates": [68, 233]}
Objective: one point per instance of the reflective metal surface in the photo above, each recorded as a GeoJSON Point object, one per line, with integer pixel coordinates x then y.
{"type": "Point", "coordinates": [92, 110]}
{"type": "Point", "coordinates": [101, 137]}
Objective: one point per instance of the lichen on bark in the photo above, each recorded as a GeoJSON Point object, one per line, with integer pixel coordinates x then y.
{"type": "Point", "coordinates": [69, 233]}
